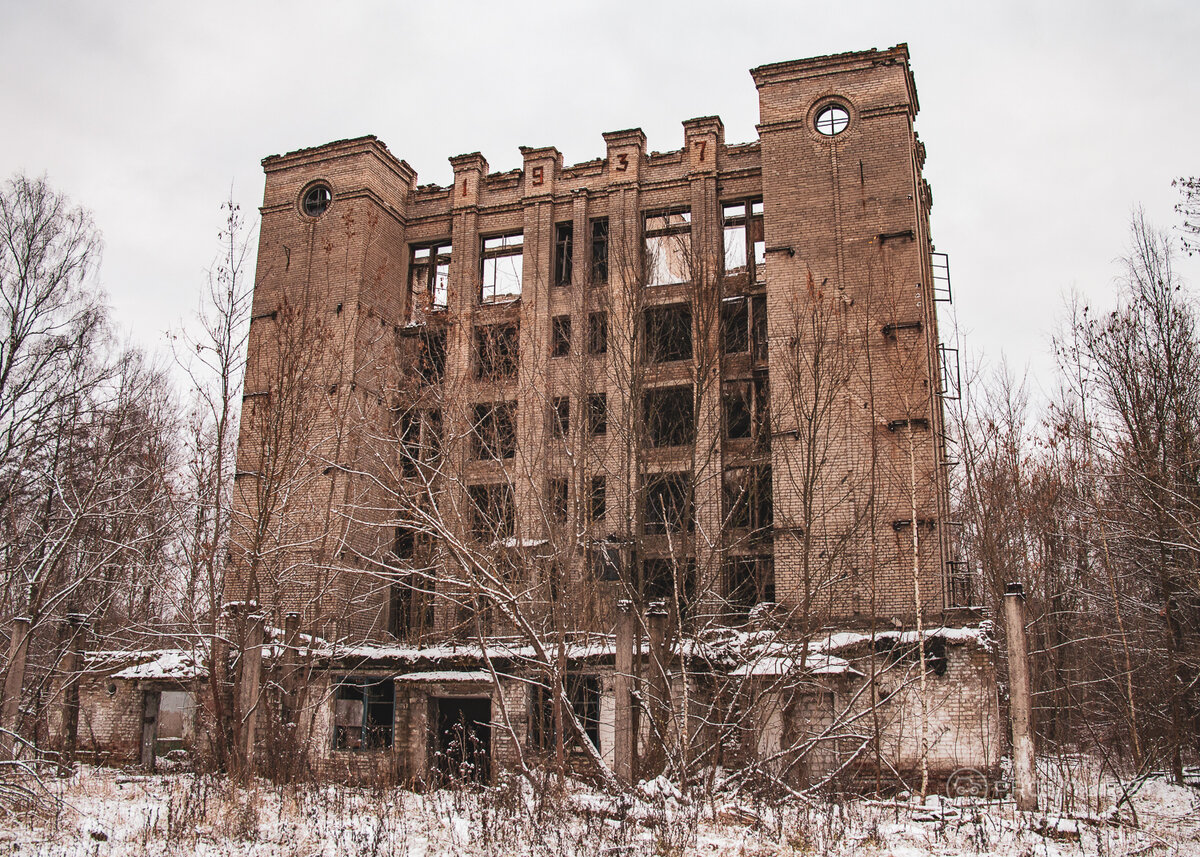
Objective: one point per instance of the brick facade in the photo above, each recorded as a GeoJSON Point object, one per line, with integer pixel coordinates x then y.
{"type": "Point", "coordinates": [735, 346]}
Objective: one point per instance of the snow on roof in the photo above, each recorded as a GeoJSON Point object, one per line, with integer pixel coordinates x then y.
{"type": "Point", "coordinates": [513, 542]}
{"type": "Point", "coordinates": [814, 664]}
{"type": "Point", "coordinates": [176, 664]}
{"type": "Point", "coordinates": [448, 675]}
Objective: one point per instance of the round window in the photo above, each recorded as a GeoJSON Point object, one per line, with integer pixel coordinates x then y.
{"type": "Point", "coordinates": [832, 120]}
{"type": "Point", "coordinates": [316, 200]}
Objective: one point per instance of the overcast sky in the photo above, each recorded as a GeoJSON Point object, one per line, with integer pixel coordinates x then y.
{"type": "Point", "coordinates": [1046, 123]}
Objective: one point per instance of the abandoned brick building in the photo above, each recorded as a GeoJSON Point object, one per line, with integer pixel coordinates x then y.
{"type": "Point", "coordinates": [655, 440]}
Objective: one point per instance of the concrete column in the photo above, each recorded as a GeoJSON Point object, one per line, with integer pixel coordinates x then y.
{"type": "Point", "coordinates": [251, 680]}
{"type": "Point", "coordinates": [14, 681]}
{"type": "Point", "coordinates": [71, 664]}
{"type": "Point", "coordinates": [1021, 702]}
{"type": "Point", "coordinates": [658, 684]}
{"type": "Point", "coordinates": [623, 734]}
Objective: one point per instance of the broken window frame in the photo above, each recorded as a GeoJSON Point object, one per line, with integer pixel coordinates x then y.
{"type": "Point", "coordinates": [374, 732]}
{"type": "Point", "coordinates": [667, 333]}
{"type": "Point", "coordinates": [669, 416]}
{"type": "Point", "coordinates": [494, 431]}
{"type": "Point", "coordinates": [598, 332]}
{"type": "Point", "coordinates": [667, 244]}
{"type": "Point", "coordinates": [599, 247]}
{"type": "Point", "coordinates": [560, 336]}
{"type": "Point", "coordinates": [669, 505]}
{"type": "Point", "coordinates": [564, 248]}
{"type": "Point", "coordinates": [744, 239]}
{"type": "Point", "coordinates": [501, 261]}
{"type": "Point", "coordinates": [429, 278]}
{"type": "Point", "coordinates": [735, 325]}
{"type": "Point", "coordinates": [497, 351]}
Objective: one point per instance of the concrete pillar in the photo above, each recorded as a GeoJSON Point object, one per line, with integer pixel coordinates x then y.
{"type": "Point", "coordinates": [249, 684]}
{"type": "Point", "coordinates": [623, 735]}
{"type": "Point", "coordinates": [658, 685]}
{"type": "Point", "coordinates": [14, 681]}
{"type": "Point", "coordinates": [71, 664]}
{"type": "Point", "coordinates": [1021, 701]}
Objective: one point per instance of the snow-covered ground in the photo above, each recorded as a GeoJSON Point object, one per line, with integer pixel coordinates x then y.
{"type": "Point", "coordinates": [106, 812]}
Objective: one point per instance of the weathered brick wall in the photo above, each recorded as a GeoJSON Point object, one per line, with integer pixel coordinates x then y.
{"type": "Point", "coordinates": [846, 214]}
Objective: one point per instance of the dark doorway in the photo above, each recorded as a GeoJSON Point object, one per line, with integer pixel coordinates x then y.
{"type": "Point", "coordinates": [462, 752]}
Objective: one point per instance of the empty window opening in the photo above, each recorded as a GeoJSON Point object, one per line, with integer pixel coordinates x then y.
{"type": "Point", "coordinates": [745, 406]}
{"type": "Point", "coordinates": [583, 693]}
{"type": "Point", "coordinates": [669, 415]}
{"type": "Point", "coordinates": [749, 580]}
{"type": "Point", "coordinates": [604, 560]}
{"type": "Point", "coordinates": [598, 413]}
{"type": "Point", "coordinates": [747, 492]}
{"type": "Point", "coordinates": [429, 279]}
{"type": "Point", "coordinates": [668, 247]}
{"type": "Point", "coordinates": [431, 357]}
{"type": "Point", "coordinates": [502, 259]}
{"type": "Point", "coordinates": [494, 512]}
{"type": "Point", "coordinates": [598, 499]}
{"type": "Point", "coordinates": [410, 607]}
{"type": "Point", "coordinates": [556, 499]}
{"type": "Point", "coordinates": [735, 325]}
{"type": "Point", "coordinates": [668, 503]}
{"type": "Point", "coordinates": [560, 344]}
{"type": "Point", "coordinates": [497, 349]}
{"type": "Point", "coordinates": [598, 333]}
{"type": "Point", "coordinates": [668, 333]}
{"type": "Point", "coordinates": [670, 579]}
{"type": "Point", "coordinates": [404, 547]}
{"type": "Point", "coordinates": [564, 234]}
{"type": "Point", "coordinates": [410, 442]}
{"type": "Point", "coordinates": [363, 713]}
{"type": "Point", "coordinates": [495, 430]}
{"type": "Point", "coordinates": [758, 328]}
{"type": "Point", "coordinates": [745, 243]}
{"type": "Point", "coordinates": [560, 416]}
{"type": "Point", "coordinates": [600, 250]}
